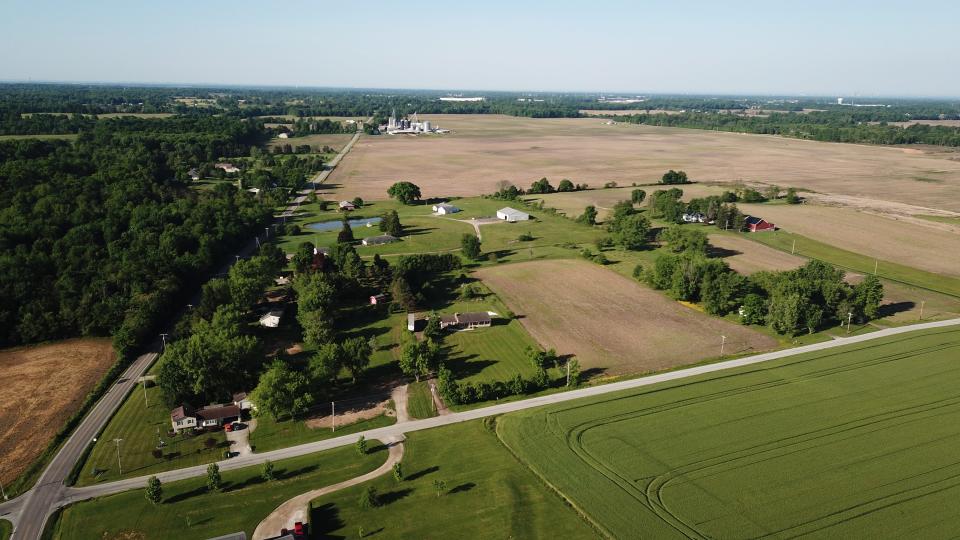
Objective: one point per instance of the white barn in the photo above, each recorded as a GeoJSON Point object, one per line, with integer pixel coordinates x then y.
{"type": "Point", "coordinates": [443, 209]}
{"type": "Point", "coordinates": [512, 214]}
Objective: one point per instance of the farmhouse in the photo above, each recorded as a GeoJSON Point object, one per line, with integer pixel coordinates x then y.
{"type": "Point", "coordinates": [443, 209]}
{"type": "Point", "coordinates": [465, 321]}
{"type": "Point", "coordinates": [186, 417]}
{"type": "Point", "coordinates": [755, 224]}
{"type": "Point", "coordinates": [378, 240]}
{"type": "Point", "coordinates": [695, 217]}
{"type": "Point", "coordinates": [227, 167]}
{"type": "Point", "coordinates": [512, 214]}
{"type": "Point", "coordinates": [272, 318]}
{"type": "Point", "coordinates": [347, 206]}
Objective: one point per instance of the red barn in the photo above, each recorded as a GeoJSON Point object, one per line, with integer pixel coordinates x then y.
{"type": "Point", "coordinates": [755, 224]}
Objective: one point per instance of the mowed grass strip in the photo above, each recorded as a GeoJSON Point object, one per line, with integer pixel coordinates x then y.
{"type": "Point", "coordinates": [141, 426]}
{"type": "Point", "coordinates": [420, 401]}
{"type": "Point", "coordinates": [487, 494]}
{"type": "Point", "coordinates": [271, 434]}
{"type": "Point", "coordinates": [189, 511]}
{"type": "Point", "coordinates": [808, 247]}
{"type": "Point", "coordinates": [856, 441]}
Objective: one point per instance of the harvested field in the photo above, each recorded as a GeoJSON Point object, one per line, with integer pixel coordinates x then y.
{"type": "Point", "coordinates": [852, 442]}
{"type": "Point", "coordinates": [483, 149]}
{"type": "Point", "coordinates": [910, 243]}
{"type": "Point", "coordinates": [610, 322]}
{"type": "Point", "coordinates": [45, 384]}
{"type": "Point", "coordinates": [747, 257]}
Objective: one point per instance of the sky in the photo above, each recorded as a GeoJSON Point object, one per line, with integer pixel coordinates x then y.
{"type": "Point", "coordinates": [813, 47]}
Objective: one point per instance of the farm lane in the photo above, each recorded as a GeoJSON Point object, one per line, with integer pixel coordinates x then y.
{"type": "Point", "coordinates": [297, 508]}
{"type": "Point", "coordinates": [70, 495]}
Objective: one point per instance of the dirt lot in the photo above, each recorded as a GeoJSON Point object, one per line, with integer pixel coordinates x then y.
{"type": "Point", "coordinates": [610, 322]}
{"type": "Point", "coordinates": [748, 257]}
{"type": "Point", "coordinates": [924, 246]}
{"type": "Point", "coordinates": [44, 385]}
{"type": "Point", "coordinates": [486, 148]}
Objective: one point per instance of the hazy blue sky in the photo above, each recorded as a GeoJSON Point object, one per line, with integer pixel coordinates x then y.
{"type": "Point", "coordinates": [813, 47]}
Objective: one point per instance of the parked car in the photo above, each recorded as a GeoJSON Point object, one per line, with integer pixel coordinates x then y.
{"type": "Point", "coordinates": [228, 427]}
{"type": "Point", "coordinates": [299, 529]}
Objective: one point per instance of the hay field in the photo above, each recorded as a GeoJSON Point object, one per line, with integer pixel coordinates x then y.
{"type": "Point", "coordinates": [747, 257]}
{"type": "Point", "coordinates": [44, 385]}
{"type": "Point", "coordinates": [853, 442]}
{"type": "Point", "coordinates": [912, 244]}
{"type": "Point", "coordinates": [610, 322]}
{"type": "Point", "coordinates": [483, 149]}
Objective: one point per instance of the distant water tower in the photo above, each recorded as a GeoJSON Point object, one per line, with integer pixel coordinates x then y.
{"type": "Point", "coordinates": [839, 101]}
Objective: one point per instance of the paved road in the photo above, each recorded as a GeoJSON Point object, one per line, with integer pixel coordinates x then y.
{"type": "Point", "coordinates": [398, 430]}
{"type": "Point", "coordinates": [322, 177]}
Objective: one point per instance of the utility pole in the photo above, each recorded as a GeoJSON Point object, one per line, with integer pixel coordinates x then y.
{"type": "Point", "coordinates": [723, 342]}
{"type": "Point", "coordinates": [922, 302]}
{"type": "Point", "coordinates": [146, 404]}
{"type": "Point", "coordinates": [568, 372]}
{"type": "Point", "coordinates": [876, 263]}
{"type": "Point", "coordinates": [333, 417]}
{"type": "Point", "coordinates": [163, 337]}
{"type": "Point", "coordinates": [793, 248]}
{"type": "Point", "coordinates": [2, 492]}
{"type": "Point", "coordinates": [119, 465]}
{"type": "Point", "coordinates": [849, 320]}
{"type": "Point", "coordinates": [238, 258]}
{"type": "Point", "coordinates": [266, 232]}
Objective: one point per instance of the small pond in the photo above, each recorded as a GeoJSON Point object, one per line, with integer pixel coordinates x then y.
{"type": "Point", "coordinates": [336, 224]}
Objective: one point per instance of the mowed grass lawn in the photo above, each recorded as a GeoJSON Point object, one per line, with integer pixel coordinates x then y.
{"type": "Point", "coordinates": [487, 494]}
{"type": "Point", "coordinates": [6, 529]}
{"type": "Point", "coordinates": [138, 426]}
{"type": "Point", "coordinates": [858, 441]}
{"type": "Point", "coordinates": [271, 434]}
{"type": "Point", "coordinates": [420, 401]}
{"type": "Point", "coordinates": [188, 511]}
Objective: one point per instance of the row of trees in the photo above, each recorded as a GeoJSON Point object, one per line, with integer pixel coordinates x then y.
{"type": "Point", "coordinates": [459, 393]}
{"type": "Point", "coordinates": [808, 298]}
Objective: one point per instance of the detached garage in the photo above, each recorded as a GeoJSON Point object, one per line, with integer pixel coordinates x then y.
{"type": "Point", "coordinates": [512, 214]}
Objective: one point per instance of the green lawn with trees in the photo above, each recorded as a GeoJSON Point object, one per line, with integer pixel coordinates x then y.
{"type": "Point", "coordinates": [866, 447]}
{"type": "Point", "coordinates": [485, 493]}
{"type": "Point", "coordinates": [140, 427]}
{"type": "Point", "coordinates": [188, 510]}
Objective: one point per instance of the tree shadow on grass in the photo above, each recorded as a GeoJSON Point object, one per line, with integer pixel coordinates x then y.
{"type": "Point", "coordinates": [893, 308]}
{"type": "Point", "coordinates": [463, 488]}
{"type": "Point", "coordinates": [249, 482]}
{"type": "Point", "coordinates": [186, 495]}
{"type": "Point", "coordinates": [391, 497]}
{"type": "Point", "coordinates": [325, 519]}
{"type": "Point", "coordinates": [283, 474]}
{"type": "Point", "coordinates": [422, 473]}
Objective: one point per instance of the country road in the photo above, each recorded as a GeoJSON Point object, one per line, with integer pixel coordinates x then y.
{"type": "Point", "coordinates": [57, 495]}
{"type": "Point", "coordinates": [30, 511]}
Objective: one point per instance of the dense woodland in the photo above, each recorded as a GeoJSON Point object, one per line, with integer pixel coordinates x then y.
{"type": "Point", "coordinates": [98, 237]}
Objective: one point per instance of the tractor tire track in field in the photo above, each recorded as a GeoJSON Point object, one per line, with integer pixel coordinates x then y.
{"type": "Point", "coordinates": [651, 496]}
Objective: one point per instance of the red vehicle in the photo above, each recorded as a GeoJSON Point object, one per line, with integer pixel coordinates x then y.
{"type": "Point", "coordinates": [228, 427]}
{"type": "Point", "coordinates": [299, 529]}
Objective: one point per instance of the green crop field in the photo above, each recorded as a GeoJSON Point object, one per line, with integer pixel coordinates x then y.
{"type": "Point", "coordinates": [858, 441]}
{"type": "Point", "coordinates": [188, 511]}
{"type": "Point", "coordinates": [488, 494]}
{"type": "Point", "coordinates": [420, 400]}
{"type": "Point", "coordinates": [139, 427]}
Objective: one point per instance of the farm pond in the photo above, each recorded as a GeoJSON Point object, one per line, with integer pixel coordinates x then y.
{"type": "Point", "coordinates": [336, 224]}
